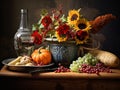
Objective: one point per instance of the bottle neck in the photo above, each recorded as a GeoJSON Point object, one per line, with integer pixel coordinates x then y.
{"type": "Point", "coordinates": [24, 20]}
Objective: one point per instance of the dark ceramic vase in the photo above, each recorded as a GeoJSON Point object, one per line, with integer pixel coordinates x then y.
{"type": "Point", "coordinates": [63, 52]}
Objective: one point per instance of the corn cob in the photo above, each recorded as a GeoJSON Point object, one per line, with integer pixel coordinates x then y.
{"type": "Point", "coordinates": [13, 62]}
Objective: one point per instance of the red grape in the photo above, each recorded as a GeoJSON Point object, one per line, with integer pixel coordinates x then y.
{"type": "Point", "coordinates": [99, 67]}
{"type": "Point", "coordinates": [62, 69]}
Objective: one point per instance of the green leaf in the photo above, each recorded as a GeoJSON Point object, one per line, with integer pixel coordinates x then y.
{"type": "Point", "coordinates": [63, 18]}
{"type": "Point", "coordinates": [35, 27]}
{"type": "Point", "coordinates": [41, 26]}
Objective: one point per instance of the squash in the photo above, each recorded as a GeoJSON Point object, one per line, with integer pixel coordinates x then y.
{"type": "Point", "coordinates": [41, 56]}
{"type": "Point", "coordinates": [108, 58]}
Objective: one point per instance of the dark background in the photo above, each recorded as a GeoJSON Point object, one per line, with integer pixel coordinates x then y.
{"type": "Point", "coordinates": [10, 19]}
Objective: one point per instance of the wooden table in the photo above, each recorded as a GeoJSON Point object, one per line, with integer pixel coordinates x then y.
{"type": "Point", "coordinates": [59, 81]}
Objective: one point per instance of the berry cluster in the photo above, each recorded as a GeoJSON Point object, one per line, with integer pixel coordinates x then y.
{"type": "Point", "coordinates": [61, 68]}
{"type": "Point", "coordinates": [99, 67]}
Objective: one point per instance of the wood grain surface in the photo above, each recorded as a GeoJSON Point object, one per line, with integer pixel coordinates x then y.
{"type": "Point", "coordinates": [72, 75]}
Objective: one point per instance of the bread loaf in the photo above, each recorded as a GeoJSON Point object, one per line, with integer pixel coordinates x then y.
{"type": "Point", "coordinates": [108, 58]}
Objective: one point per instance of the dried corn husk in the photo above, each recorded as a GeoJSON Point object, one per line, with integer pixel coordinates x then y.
{"type": "Point", "coordinates": [108, 58]}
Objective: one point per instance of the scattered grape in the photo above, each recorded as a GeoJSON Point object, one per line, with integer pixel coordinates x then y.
{"type": "Point", "coordinates": [62, 69]}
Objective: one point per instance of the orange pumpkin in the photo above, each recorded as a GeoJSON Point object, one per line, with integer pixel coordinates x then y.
{"type": "Point", "coordinates": [41, 56]}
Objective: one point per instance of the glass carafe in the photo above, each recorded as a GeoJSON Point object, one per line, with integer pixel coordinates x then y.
{"type": "Point", "coordinates": [23, 41]}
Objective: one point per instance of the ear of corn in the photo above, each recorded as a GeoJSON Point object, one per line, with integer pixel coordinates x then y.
{"type": "Point", "coordinates": [108, 58]}
{"type": "Point", "coordinates": [13, 62]}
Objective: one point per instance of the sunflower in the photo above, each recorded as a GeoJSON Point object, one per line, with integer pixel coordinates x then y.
{"type": "Point", "coordinates": [61, 38]}
{"type": "Point", "coordinates": [82, 24]}
{"type": "Point", "coordinates": [73, 16]}
{"type": "Point", "coordinates": [81, 36]}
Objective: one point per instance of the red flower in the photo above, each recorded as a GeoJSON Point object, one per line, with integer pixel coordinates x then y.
{"type": "Point", "coordinates": [46, 21]}
{"type": "Point", "coordinates": [37, 37]}
{"type": "Point", "coordinates": [63, 29]}
{"type": "Point", "coordinates": [81, 35]}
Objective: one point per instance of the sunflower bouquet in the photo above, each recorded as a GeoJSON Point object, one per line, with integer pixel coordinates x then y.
{"type": "Point", "coordinates": [55, 25]}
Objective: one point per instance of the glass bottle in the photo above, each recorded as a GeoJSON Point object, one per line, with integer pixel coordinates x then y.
{"type": "Point", "coordinates": [23, 41]}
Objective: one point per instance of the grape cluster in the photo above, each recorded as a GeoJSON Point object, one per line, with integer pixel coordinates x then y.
{"type": "Point", "coordinates": [99, 67]}
{"type": "Point", "coordinates": [61, 68]}
{"type": "Point", "coordinates": [86, 59]}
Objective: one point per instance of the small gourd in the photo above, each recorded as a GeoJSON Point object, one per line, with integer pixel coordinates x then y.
{"type": "Point", "coordinates": [41, 55]}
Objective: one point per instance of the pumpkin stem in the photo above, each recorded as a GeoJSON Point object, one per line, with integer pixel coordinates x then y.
{"type": "Point", "coordinates": [39, 49]}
